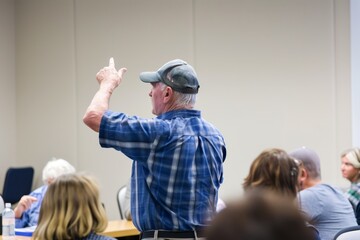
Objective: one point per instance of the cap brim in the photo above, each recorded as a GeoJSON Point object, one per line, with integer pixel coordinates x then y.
{"type": "Point", "coordinates": [150, 77]}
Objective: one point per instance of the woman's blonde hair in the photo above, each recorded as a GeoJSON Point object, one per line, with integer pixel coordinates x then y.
{"type": "Point", "coordinates": [71, 209]}
{"type": "Point", "coordinates": [274, 170]}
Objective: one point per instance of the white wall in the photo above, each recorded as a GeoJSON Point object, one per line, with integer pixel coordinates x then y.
{"type": "Point", "coordinates": [272, 74]}
{"type": "Point", "coordinates": [46, 82]}
{"type": "Point", "coordinates": [7, 88]}
{"type": "Point", "coordinates": [355, 71]}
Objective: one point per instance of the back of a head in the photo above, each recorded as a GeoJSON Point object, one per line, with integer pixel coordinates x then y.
{"type": "Point", "coordinates": [180, 76]}
{"type": "Point", "coordinates": [55, 168]}
{"type": "Point", "coordinates": [310, 160]}
{"type": "Point", "coordinates": [177, 74]}
{"type": "Point", "coordinates": [274, 170]}
{"type": "Point", "coordinates": [71, 209]}
{"type": "Point", "coordinates": [261, 215]}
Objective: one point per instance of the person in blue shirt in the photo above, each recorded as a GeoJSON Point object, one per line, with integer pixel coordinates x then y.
{"type": "Point", "coordinates": [325, 205]}
{"type": "Point", "coordinates": [177, 156]}
{"type": "Point", "coordinates": [274, 170]}
{"type": "Point", "coordinates": [28, 209]}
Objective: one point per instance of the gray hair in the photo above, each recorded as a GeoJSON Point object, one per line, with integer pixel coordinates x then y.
{"type": "Point", "coordinates": [310, 160]}
{"type": "Point", "coordinates": [182, 99]}
{"type": "Point", "coordinates": [55, 168]}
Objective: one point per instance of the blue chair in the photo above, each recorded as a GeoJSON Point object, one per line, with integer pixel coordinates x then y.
{"type": "Point", "coordinates": [18, 182]}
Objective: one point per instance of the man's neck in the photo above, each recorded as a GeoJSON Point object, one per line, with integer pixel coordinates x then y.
{"type": "Point", "coordinates": [172, 107]}
{"type": "Point", "coordinates": [311, 182]}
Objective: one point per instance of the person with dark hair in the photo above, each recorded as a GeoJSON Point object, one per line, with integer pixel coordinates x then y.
{"type": "Point", "coordinates": [275, 171]}
{"type": "Point", "coordinates": [177, 156]}
{"type": "Point", "coordinates": [260, 215]}
{"type": "Point", "coordinates": [326, 206]}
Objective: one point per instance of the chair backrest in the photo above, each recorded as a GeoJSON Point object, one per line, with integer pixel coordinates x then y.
{"type": "Point", "coordinates": [357, 213]}
{"type": "Point", "coordinates": [2, 204]}
{"type": "Point", "coordinates": [121, 201]}
{"type": "Point", "coordinates": [349, 233]}
{"type": "Point", "coordinates": [18, 182]}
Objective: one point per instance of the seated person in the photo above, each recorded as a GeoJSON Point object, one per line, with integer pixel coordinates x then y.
{"type": "Point", "coordinates": [325, 205]}
{"type": "Point", "coordinates": [28, 208]}
{"type": "Point", "coordinates": [350, 169]}
{"type": "Point", "coordinates": [260, 215]}
{"type": "Point", "coordinates": [71, 209]}
{"type": "Point", "coordinates": [274, 170]}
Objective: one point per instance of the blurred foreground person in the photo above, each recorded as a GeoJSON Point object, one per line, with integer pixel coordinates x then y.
{"type": "Point", "coordinates": [260, 215]}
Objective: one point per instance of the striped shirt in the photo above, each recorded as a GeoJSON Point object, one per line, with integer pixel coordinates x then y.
{"type": "Point", "coordinates": [95, 236]}
{"type": "Point", "coordinates": [353, 194]}
{"type": "Point", "coordinates": [177, 168]}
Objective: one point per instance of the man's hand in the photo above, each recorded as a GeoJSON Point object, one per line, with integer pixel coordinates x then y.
{"type": "Point", "coordinates": [23, 205]}
{"type": "Point", "coordinates": [109, 76]}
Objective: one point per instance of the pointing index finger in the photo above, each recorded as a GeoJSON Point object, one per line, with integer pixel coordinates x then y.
{"type": "Point", "coordinates": [111, 62]}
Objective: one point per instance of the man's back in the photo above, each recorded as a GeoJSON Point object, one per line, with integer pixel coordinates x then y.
{"type": "Point", "coordinates": [327, 208]}
{"type": "Point", "coordinates": [178, 167]}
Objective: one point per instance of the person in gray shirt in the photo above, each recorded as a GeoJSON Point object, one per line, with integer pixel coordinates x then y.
{"type": "Point", "coordinates": [326, 206]}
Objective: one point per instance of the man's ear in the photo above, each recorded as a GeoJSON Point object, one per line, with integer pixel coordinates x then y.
{"type": "Point", "coordinates": [167, 94]}
{"type": "Point", "coordinates": [302, 177]}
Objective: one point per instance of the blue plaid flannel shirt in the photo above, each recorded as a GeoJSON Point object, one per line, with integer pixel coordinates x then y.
{"type": "Point", "coordinates": [177, 168]}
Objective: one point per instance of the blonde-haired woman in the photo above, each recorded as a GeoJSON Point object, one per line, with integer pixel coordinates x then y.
{"type": "Point", "coordinates": [350, 169]}
{"type": "Point", "coordinates": [71, 209]}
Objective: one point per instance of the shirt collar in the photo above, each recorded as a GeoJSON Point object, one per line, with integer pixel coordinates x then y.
{"type": "Point", "coordinates": [184, 113]}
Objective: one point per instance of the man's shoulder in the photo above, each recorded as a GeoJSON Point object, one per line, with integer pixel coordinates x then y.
{"type": "Point", "coordinates": [314, 190]}
{"type": "Point", "coordinates": [320, 191]}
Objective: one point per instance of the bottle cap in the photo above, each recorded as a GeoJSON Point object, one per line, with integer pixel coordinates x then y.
{"type": "Point", "coordinates": [8, 205]}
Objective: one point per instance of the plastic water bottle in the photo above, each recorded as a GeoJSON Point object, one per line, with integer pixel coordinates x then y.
{"type": "Point", "coordinates": [8, 223]}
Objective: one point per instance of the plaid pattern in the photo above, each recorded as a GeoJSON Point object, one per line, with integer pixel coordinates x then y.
{"type": "Point", "coordinates": [177, 168]}
{"type": "Point", "coordinates": [94, 236]}
{"type": "Point", "coordinates": [353, 194]}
